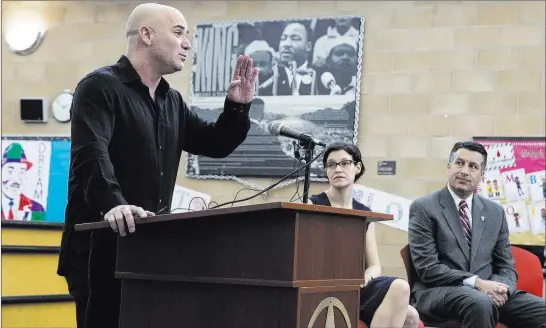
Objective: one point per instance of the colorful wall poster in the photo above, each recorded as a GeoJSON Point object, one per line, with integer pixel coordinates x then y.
{"type": "Point", "coordinates": [34, 178]}
{"type": "Point", "coordinates": [515, 178]}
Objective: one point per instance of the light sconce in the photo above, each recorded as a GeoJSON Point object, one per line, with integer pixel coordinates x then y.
{"type": "Point", "coordinates": [23, 32]}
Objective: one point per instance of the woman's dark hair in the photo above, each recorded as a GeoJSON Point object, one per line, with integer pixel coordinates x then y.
{"type": "Point", "coordinates": [350, 149]}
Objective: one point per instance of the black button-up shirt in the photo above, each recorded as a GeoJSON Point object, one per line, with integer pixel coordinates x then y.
{"type": "Point", "coordinates": [126, 147]}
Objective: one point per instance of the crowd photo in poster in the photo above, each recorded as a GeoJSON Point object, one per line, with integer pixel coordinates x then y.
{"type": "Point", "coordinates": [515, 178]}
{"type": "Point", "coordinates": [309, 80]}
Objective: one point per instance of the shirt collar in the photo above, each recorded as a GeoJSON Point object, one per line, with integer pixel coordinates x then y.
{"type": "Point", "coordinates": [301, 69]}
{"type": "Point", "coordinates": [128, 74]}
{"type": "Point", "coordinates": [457, 199]}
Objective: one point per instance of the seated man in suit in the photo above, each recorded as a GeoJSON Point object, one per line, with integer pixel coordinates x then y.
{"type": "Point", "coordinates": [461, 252]}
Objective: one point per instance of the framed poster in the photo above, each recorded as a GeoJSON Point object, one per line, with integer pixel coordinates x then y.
{"type": "Point", "coordinates": [515, 179]}
{"type": "Point", "coordinates": [309, 80]}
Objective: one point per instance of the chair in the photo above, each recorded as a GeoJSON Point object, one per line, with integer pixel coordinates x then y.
{"type": "Point", "coordinates": [528, 269]}
{"type": "Point", "coordinates": [412, 275]}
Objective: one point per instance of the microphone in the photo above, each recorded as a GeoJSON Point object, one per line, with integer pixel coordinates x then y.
{"type": "Point", "coordinates": [329, 81]}
{"type": "Point", "coordinates": [278, 129]}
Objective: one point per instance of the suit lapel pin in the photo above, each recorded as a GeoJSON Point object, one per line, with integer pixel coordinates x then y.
{"type": "Point", "coordinates": [483, 218]}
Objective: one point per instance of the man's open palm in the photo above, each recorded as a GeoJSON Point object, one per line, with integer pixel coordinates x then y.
{"type": "Point", "coordinates": [242, 86]}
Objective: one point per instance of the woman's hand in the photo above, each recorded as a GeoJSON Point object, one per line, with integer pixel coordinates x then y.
{"type": "Point", "coordinates": [367, 279]}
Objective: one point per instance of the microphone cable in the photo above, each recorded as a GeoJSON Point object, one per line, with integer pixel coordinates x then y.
{"type": "Point", "coordinates": [271, 186]}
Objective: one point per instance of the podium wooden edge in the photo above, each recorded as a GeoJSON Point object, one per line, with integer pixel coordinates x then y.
{"type": "Point", "coordinates": [370, 216]}
{"type": "Point", "coordinates": [240, 281]}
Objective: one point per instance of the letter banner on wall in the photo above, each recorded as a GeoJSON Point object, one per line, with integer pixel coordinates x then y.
{"type": "Point", "coordinates": [515, 179]}
{"type": "Point", "coordinates": [382, 202]}
{"type": "Point", "coordinates": [309, 80]}
{"type": "Point", "coordinates": [34, 178]}
{"type": "Point", "coordinates": [188, 200]}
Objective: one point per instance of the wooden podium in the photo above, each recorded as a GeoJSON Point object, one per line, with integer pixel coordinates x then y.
{"type": "Point", "coordinates": [271, 265]}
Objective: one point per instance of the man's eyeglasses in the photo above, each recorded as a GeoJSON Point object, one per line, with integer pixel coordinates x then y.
{"type": "Point", "coordinates": [343, 164]}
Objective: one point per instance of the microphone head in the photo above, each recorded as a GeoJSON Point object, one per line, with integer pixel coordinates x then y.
{"type": "Point", "coordinates": [326, 78]}
{"type": "Point", "coordinates": [274, 128]}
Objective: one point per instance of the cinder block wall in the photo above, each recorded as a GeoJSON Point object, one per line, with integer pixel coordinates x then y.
{"type": "Point", "coordinates": [434, 72]}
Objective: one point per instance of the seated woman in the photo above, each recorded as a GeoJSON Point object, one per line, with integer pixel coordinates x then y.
{"type": "Point", "coordinates": [384, 301]}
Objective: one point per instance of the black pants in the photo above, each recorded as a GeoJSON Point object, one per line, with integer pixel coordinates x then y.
{"type": "Point", "coordinates": [104, 288]}
{"type": "Point", "coordinates": [78, 289]}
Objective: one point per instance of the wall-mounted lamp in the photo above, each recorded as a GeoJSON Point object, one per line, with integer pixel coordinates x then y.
{"type": "Point", "coordinates": [23, 32]}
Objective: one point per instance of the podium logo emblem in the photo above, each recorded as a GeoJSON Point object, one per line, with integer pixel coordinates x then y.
{"type": "Point", "coordinates": [330, 303]}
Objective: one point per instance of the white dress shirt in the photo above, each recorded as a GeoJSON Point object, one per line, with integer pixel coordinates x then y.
{"type": "Point", "coordinates": [290, 76]}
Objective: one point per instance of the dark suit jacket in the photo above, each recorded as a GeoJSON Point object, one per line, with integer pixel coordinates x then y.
{"type": "Point", "coordinates": [265, 86]}
{"type": "Point", "coordinates": [440, 253]}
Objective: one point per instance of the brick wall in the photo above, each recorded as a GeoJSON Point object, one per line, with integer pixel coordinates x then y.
{"type": "Point", "coordinates": [434, 72]}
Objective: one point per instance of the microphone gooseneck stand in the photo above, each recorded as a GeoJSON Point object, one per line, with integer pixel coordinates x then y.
{"type": "Point", "coordinates": [309, 144]}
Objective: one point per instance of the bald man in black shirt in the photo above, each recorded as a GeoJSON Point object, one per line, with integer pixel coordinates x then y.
{"type": "Point", "coordinates": [129, 129]}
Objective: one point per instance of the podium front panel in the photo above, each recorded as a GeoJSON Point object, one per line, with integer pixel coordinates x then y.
{"type": "Point", "coordinates": [329, 247]}
{"type": "Point", "coordinates": [151, 304]}
{"type": "Point", "coordinates": [241, 246]}
{"type": "Point", "coordinates": [272, 268]}
{"type": "Point", "coordinates": [272, 247]}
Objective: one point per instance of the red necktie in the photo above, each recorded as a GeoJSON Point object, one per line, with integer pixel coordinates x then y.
{"type": "Point", "coordinates": [465, 221]}
{"type": "Point", "coordinates": [10, 213]}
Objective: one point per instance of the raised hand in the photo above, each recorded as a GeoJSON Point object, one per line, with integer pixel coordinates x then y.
{"type": "Point", "coordinates": [242, 86]}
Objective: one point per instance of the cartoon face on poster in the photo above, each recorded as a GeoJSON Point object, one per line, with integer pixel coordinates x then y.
{"type": "Point", "coordinates": [25, 178]}
{"type": "Point", "coordinates": [515, 185]}
{"type": "Point", "coordinates": [537, 217]}
{"type": "Point", "coordinates": [516, 216]}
